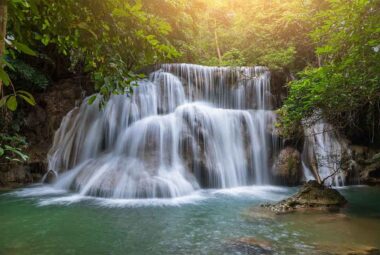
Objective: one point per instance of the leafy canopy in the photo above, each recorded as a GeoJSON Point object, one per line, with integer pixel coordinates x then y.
{"type": "Point", "coordinates": [346, 86]}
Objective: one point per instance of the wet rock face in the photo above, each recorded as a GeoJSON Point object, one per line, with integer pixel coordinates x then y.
{"type": "Point", "coordinates": [279, 79]}
{"type": "Point", "coordinates": [365, 166]}
{"type": "Point", "coordinates": [13, 176]}
{"type": "Point", "coordinates": [370, 173]}
{"type": "Point", "coordinates": [287, 169]}
{"type": "Point", "coordinates": [41, 121]}
{"type": "Point", "coordinates": [311, 196]}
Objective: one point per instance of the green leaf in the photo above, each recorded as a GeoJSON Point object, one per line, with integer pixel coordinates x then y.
{"type": "Point", "coordinates": [92, 99]}
{"type": "Point", "coordinates": [24, 92]}
{"type": "Point", "coordinates": [16, 151]}
{"type": "Point", "coordinates": [1, 151]}
{"type": "Point", "coordinates": [45, 40]}
{"type": "Point", "coordinates": [29, 100]}
{"type": "Point", "coordinates": [24, 49]}
{"type": "Point", "coordinates": [4, 77]}
{"type": "Point", "coordinates": [12, 103]}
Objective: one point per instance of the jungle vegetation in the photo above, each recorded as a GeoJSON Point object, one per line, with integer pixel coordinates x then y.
{"type": "Point", "coordinates": [329, 48]}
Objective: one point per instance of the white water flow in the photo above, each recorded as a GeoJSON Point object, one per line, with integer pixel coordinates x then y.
{"type": "Point", "coordinates": [185, 128]}
{"type": "Point", "coordinates": [324, 152]}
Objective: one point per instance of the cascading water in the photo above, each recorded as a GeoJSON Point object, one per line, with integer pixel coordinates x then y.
{"type": "Point", "coordinates": [324, 153]}
{"type": "Point", "coordinates": [187, 127]}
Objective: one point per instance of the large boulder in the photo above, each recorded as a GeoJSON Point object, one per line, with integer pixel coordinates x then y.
{"type": "Point", "coordinates": [311, 196]}
{"type": "Point", "coordinates": [287, 168]}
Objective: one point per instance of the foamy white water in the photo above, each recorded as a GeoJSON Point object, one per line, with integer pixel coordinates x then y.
{"type": "Point", "coordinates": [186, 128]}
{"type": "Point", "coordinates": [325, 149]}
{"type": "Point", "coordinates": [48, 195]}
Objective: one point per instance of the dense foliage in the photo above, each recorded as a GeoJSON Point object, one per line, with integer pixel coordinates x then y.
{"type": "Point", "coordinates": [346, 84]}
{"type": "Point", "coordinates": [271, 33]}
{"type": "Point", "coordinates": [109, 40]}
{"type": "Point", "coordinates": [332, 47]}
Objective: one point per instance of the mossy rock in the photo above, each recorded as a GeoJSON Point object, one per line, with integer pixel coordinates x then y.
{"type": "Point", "coordinates": [312, 195]}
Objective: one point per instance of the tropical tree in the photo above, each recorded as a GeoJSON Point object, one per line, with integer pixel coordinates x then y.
{"type": "Point", "coordinates": [107, 39]}
{"type": "Point", "coordinates": [345, 83]}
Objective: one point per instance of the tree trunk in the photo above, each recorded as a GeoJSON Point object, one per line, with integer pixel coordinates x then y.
{"type": "Point", "coordinates": [319, 61]}
{"type": "Point", "coordinates": [218, 49]}
{"type": "Point", "coordinates": [314, 168]}
{"type": "Point", "coordinates": [3, 32]}
{"type": "Point", "coordinates": [217, 45]}
{"type": "Point", "coordinates": [316, 174]}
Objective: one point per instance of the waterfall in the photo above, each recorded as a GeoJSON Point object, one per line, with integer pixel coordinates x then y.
{"type": "Point", "coordinates": [185, 128]}
{"type": "Point", "coordinates": [324, 152]}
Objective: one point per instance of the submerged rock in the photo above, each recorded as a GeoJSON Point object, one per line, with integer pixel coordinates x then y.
{"type": "Point", "coordinates": [312, 195]}
{"type": "Point", "coordinates": [348, 250]}
{"type": "Point", "coordinates": [250, 245]}
{"type": "Point", "coordinates": [333, 217]}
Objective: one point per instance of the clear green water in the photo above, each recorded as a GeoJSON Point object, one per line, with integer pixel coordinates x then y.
{"type": "Point", "coordinates": [32, 222]}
